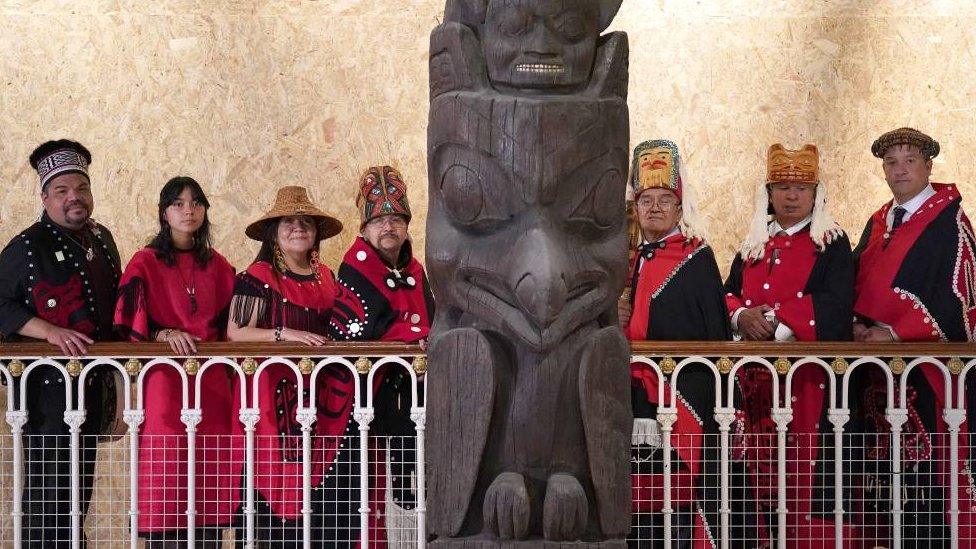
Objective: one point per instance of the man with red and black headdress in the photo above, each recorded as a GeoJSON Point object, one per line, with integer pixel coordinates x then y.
{"type": "Point", "coordinates": [915, 282]}
{"type": "Point", "coordinates": [792, 280]}
{"type": "Point", "coordinates": [58, 282]}
{"type": "Point", "coordinates": [675, 294]}
{"type": "Point", "coordinates": [383, 295]}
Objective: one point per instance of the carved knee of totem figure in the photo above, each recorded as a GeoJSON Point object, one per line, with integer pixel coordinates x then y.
{"type": "Point", "coordinates": [529, 405]}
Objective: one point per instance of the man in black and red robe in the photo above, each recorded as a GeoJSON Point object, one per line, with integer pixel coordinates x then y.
{"type": "Point", "coordinates": [675, 294]}
{"type": "Point", "coordinates": [792, 280]}
{"type": "Point", "coordinates": [58, 281]}
{"type": "Point", "coordinates": [916, 274]}
{"type": "Point", "coordinates": [384, 296]}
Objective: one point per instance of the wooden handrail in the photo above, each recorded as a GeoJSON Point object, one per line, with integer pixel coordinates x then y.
{"type": "Point", "coordinates": [652, 348]}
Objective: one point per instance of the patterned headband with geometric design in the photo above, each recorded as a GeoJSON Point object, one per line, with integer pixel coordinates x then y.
{"type": "Point", "coordinates": [61, 162]}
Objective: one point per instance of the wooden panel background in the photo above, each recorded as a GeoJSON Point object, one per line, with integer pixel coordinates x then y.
{"type": "Point", "coordinates": [249, 95]}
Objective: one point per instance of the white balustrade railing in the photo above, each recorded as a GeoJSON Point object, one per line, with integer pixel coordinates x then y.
{"type": "Point", "coordinates": [724, 361]}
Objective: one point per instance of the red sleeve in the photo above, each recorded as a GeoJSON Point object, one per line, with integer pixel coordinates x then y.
{"type": "Point", "coordinates": [912, 320]}
{"type": "Point", "coordinates": [798, 314]}
{"type": "Point", "coordinates": [131, 312]}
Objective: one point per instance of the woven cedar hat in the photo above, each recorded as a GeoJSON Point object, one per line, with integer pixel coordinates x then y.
{"type": "Point", "coordinates": [294, 201]}
{"type": "Point", "coordinates": [906, 136]}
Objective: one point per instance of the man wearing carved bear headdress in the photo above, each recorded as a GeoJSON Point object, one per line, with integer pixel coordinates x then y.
{"type": "Point", "coordinates": [916, 274]}
{"type": "Point", "coordinates": [675, 294]}
{"type": "Point", "coordinates": [792, 280]}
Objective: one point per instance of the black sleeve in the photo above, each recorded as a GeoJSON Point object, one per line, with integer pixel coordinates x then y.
{"type": "Point", "coordinates": [113, 249]}
{"type": "Point", "coordinates": [831, 285]}
{"type": "Point", "coordinates": [863, 242]}
{"type": "Point", "coordinates": [14, 311]}
{"type": "Point", "coordinates": [381, 316]}
{"type": "Point", "coordinates": [733, 284]}
{"type": "Point", "coordinates": [928, 271]}
{"type": "Point", "coordinates": [711, 299]}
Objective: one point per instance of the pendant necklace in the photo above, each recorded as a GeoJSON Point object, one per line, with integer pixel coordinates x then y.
{"type": "Point", "coordinates": [89, 250]}
{"type": "Point", "coordinates": [190, 287]}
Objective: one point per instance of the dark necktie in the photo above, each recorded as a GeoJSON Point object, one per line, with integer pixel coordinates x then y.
{"type": "Point", "coordinates": [899, 217]}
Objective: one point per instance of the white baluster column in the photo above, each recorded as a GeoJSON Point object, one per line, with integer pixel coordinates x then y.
{"type": "Point", "coordinates": [724, 417]}
{"type": "Point", "coordinates": [191, 418]}
{"type": "Point", "coordinates": [667, 418]}
{"type": "Point", "coordinates": [954, 418]}
{"type": "Point", "coordinates": [306, 418]}
{"type": "Point", "coordinates": [74, 419]}
{"type": "Point", "coordinates": [838, 418]}
{"type": "Point", "coordinates": [363, 416]}
{"type": "Point", "coordinates": [896, 418]}
{"type": "Point", "coordinates": [249, 417]}
{"type": "Point", "coordinates": [782, 417]}
{"type": "Point", "coordinates": [133, 418]}
{"type": "Point", "coordinates": [17, 420]}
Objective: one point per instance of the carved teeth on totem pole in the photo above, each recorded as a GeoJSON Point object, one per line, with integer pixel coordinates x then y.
{"type": "Point", "coordinates": [528, 155]}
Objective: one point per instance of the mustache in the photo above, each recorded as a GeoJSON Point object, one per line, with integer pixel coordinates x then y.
{"type": "Point", "coordinates": [73, 203]}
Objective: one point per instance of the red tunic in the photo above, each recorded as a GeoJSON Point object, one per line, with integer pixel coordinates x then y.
{"type": "Point", "coordinates": [300, 303]}
{"type": "Point", "coordinates": [153, 296]}
{"type": "Point", "coordinates": [805, 287]}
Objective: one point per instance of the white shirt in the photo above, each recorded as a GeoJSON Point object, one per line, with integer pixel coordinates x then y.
{"type": "Point", "coordinates": [775, 228]}
{"type": "Point", "coordinates": [911, 206]}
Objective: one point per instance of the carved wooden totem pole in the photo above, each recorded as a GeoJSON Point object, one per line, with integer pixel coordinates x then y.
{"type": "Point", "coordinates": [529, 407]}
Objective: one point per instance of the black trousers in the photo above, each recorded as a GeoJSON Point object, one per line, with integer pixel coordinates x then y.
{"type": "Point", "coordinates": [47, 457]}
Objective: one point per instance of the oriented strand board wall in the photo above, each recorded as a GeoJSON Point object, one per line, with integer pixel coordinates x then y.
{"type": "Point", "coordinates": [249, 95]}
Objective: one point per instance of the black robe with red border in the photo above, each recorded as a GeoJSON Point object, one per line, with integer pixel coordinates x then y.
{"type": "Point", "coordinates": [676, 294]}
{"type": "Point", "coordinates": [918, 279]}
{"type": "Point", "coordinates": [376, 302]}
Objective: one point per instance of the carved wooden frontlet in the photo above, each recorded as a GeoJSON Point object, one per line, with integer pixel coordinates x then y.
{"type": "Point", "coordinates": [529, 408]}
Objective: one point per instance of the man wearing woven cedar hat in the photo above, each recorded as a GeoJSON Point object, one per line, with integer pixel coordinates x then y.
{"type": "Point", "coordinates": [384, 296]}
{"type": "Point", "coordinates": [792, 280]}
{"type": "Point", "coordinates": [915, 282]}
{"type": "Point", "coordinates": [675, 294]}
{"type": "Point", "coordinates": [58, 281]}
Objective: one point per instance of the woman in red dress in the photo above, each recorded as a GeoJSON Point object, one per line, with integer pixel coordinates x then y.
{"type": "Point", "coordinates": [177, 289]}
{"type": "Point", "coordinates": [288, 295]}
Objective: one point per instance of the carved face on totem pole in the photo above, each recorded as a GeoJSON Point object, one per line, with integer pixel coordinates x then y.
{"type": "Point", "coordinates": [529, 414]}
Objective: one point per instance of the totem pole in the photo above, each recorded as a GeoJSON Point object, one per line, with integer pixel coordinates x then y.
{"type": "Point", "coordinates": [528, 412]}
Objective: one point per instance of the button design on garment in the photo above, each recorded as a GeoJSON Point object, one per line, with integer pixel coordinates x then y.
{"type": "Point", "coordinates": [361, 255]}
{"type": "Point", "coordinates": [414, 318]}
{"type": "Point", "coordinates": [748, 302]}
{"type": "Point", "coordinates": [415, 329]}
{"type": "Point", "coordinates": [799, 294]}
{"type": "Point", "coordinates": [52, 303]}
{"type": "Point", "coordinates": [766, 286]}
{"type": "Point", "coordinates": [813, 322]}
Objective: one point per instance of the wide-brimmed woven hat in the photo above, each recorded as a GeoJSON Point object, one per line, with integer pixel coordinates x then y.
{"type": "Point", "coordinates": [294, 201]}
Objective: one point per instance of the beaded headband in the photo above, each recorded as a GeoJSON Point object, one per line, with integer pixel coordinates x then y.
{"type": "Point", "coordinates": [61, 162]}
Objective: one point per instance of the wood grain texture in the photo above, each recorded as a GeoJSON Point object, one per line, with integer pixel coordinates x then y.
{"type": "Point", "coordinates": [527, 250]}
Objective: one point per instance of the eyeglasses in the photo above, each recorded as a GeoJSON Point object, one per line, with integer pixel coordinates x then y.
{"type": "Point", "coordinates": [392, 221]}
{"type": "Point", "coordinates": [665, 204]}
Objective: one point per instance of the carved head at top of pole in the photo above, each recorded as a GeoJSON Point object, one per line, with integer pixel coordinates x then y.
{"type": "Point", "coordinates": [537, 44]}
